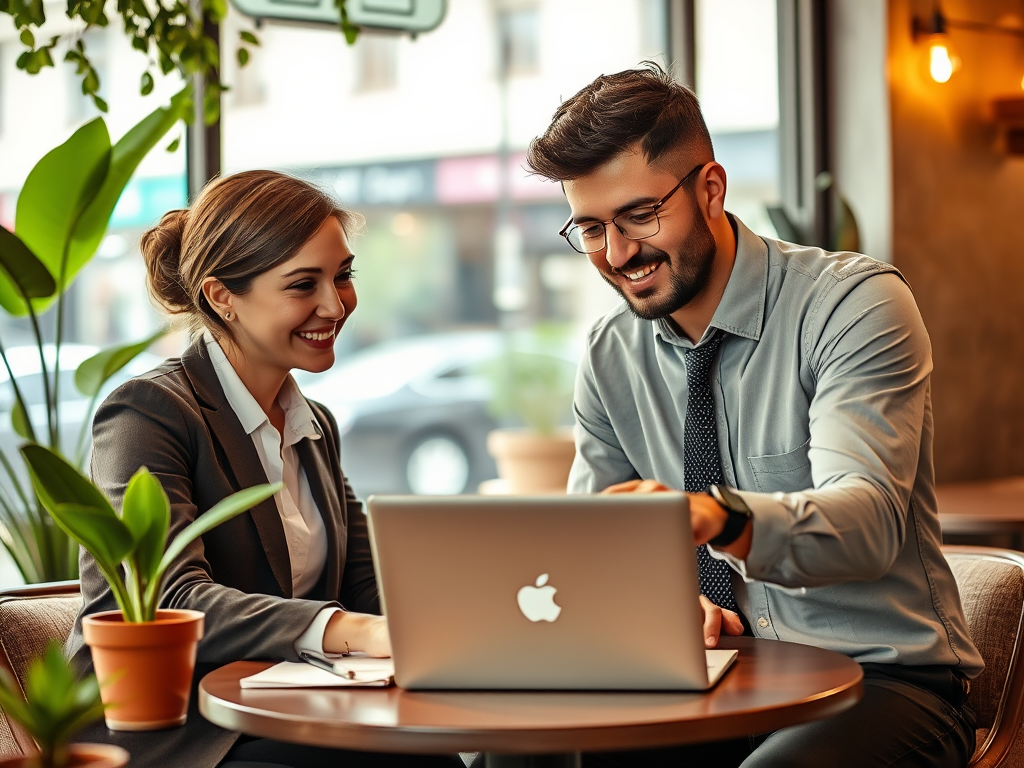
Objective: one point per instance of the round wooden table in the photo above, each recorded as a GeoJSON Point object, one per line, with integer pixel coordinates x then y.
{"type": "Point", "coordinates": [771, 685]}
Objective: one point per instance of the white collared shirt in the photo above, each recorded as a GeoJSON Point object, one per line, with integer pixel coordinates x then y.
{"type": "Point", "coordinates": [303, 526]}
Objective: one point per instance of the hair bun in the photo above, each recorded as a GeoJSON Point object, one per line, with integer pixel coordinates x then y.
{"type": "Point", "coordinates": [161, 248]}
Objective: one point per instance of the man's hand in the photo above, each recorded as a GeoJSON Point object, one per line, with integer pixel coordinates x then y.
{"type": "Point", "coordinates": [357, 632]}
{"type": "Point", "coordinates": [706, 516]}
{"type": "Point", "coordinates": [718, 620]}
{"type": "Point", "coordinates": [637, 486]}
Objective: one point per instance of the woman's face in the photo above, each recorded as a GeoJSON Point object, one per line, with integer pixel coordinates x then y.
{"type": "Point", "coordinates": [293, 313]}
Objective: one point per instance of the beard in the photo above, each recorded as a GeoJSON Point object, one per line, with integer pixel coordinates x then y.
{"type": "Point", "coordinates": [689, 273]}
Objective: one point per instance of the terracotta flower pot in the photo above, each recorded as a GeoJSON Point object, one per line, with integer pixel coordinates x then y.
{"type": "Point", "coordinates": [145, 669]}
{"type": "Point", "coordinates": [82, 756]}
{"type": "Point", "coordinates": [529, 462]}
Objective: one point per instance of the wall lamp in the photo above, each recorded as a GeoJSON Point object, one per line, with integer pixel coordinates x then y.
{"type": "Point", "coordinates": [942, 64]}
{"type": "Point", "coordinates": [934, 32]}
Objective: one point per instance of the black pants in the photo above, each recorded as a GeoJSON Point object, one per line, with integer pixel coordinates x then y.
{"type": "Point", "coordinates": [267, 753]}
{"type": "Point", "coordinates": [909, 716]}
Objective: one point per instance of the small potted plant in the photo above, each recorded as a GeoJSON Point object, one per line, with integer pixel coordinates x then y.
{"type": "Point", "coordinates": [54, 707]}
{"type": "Point", "coordinates": [144, 656]}
{"type": "Point", "coordinates": [532, 388]}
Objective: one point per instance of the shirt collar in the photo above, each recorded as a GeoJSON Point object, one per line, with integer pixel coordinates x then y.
{"type": "Point", "coordinates": [298, 416]}
{"type": "Point", "coordinates": [741, 310]}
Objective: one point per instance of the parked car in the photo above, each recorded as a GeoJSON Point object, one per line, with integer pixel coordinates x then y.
{"type": "Point", "coordinates": [412, 413]}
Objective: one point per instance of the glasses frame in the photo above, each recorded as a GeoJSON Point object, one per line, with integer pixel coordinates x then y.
{"type": "Point", "coordinates": [564, 231]}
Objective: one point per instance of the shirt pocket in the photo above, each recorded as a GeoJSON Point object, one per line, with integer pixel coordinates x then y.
{"type": "Point", "coordinates": [786, 472]}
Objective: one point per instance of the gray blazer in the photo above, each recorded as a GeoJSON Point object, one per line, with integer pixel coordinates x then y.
{"type": "Point", "coordinates": [176, 421]}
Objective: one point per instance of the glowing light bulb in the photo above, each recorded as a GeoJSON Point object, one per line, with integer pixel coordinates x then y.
{"type": "Point", "coordinates": [941, 63]}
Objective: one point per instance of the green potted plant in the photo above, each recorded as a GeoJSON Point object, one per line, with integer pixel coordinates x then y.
{"type": "Point", "coordinates": [53, 708]}
{"type": "Point", "coordinates": [144, 656]}
{"type": "Point", "coordinates": [62, 214]}
{"type": "Point", "coordinates": [531, 390]}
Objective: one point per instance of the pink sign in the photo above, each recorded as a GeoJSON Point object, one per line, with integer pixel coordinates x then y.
{"type": "Point", "coordinates": [477, 180]}
{"type": "Point", "coordinates": [7, 211]}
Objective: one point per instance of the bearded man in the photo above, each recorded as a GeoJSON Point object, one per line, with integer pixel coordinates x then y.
{"type": "Point", "coordinates": [787, 389]}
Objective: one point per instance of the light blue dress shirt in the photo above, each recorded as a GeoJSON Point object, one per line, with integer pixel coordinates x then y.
{"type": "Point", "coordinates": [824, 419]}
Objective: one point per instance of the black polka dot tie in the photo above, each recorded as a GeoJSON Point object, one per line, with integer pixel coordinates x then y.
{"type": "Point", "coordinates": [701, 463]}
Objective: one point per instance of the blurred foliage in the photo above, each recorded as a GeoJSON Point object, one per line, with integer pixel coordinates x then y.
{"type": "Point", "coordinates": [170, 34]}
{"type": "Point", "coordinates": [55, 705]}
{"type": "Point", "coordinates": [62, 214]}
{"type": "Point", "coordinates": [532, 381]}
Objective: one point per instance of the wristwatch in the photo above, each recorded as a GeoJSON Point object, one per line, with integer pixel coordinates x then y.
{"type": "Point", "coordinates": [737, 510]}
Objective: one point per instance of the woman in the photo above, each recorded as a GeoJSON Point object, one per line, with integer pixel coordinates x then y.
{"type": "Point", "coordinates": [261, 269]}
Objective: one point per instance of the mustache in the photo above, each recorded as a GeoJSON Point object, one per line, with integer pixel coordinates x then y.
{"type": "Point", "coordinates": [643, 259]}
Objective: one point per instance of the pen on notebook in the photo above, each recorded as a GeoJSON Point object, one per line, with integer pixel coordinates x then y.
{"type": "Point", "coordinates": [327, 666]}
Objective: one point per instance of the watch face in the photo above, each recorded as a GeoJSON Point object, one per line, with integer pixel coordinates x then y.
{"type": "Point", "coordinates": [731, 500]}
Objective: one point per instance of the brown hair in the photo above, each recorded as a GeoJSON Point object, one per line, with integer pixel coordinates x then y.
{"type": "Point", "coordinates": [613, 114]}
{"type": "Point", "coordinates": [239, 227]}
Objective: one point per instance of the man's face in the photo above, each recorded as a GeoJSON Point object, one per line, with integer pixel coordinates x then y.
{"type": "Point", "coordinates": [660, 274]}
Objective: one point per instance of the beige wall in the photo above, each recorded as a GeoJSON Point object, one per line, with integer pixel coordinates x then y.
{"type": "Point", "coordinates": [958, 234]}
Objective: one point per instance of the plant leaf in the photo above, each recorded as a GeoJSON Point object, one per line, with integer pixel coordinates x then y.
{"type": "Point", "coordinates": [106, 537]}
{"type": "Point", "coordinates": [52, 199]}
{"type": "Point", "coordinates": [57, 482]}
{"type": "Point", "coordinates": [93, 373]}
{"type": "Point", "coordinates": [232, 506]}
{"type": "Point", "coordinates": [249, 37]}
{"type": "Point", "coordinates": [28, 274]}
{"type": "Point", "coordinates": [124, 159]}
{"type": "Point", "coordinates": [147, 513]}
{"type": "Point", "coordinates": [20, 421]}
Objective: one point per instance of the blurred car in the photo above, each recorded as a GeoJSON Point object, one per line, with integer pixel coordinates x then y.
{"type": "Point", "coordinates": [74, 406]}
{"type": "Point", "coordinates": [412, 413]}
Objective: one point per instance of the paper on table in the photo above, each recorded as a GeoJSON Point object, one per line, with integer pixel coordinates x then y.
{"type": "Point", "coordinates": [363, 671]}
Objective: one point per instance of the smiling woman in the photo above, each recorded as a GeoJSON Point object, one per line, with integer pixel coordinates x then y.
{"type": "Point", "coordinates": [261, 269]}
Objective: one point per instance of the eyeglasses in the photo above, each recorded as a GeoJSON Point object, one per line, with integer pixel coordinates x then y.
{"type": "Point", "coordinates": [635, 224]}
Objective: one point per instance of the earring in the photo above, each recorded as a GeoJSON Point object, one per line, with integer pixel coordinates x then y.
{"type": "Point", "coordinates": [228, 316]}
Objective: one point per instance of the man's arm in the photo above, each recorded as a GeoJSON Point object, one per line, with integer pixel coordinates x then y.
{"type": "Point", "coordinates": [871, 357]}
{"type": "Point", "coordinates": [600, 460]}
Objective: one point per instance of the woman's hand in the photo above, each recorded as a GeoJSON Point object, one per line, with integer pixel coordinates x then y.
{"type": "Point", "coordinates": [718, 620]}
{"type": "Point", "coordinates": [357, 632]}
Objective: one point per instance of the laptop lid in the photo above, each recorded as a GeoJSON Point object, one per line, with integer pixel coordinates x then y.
{"type": "Point", "coordinates": [546, 592]}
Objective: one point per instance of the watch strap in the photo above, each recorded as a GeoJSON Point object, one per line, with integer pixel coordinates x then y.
{"type": "Point", "coordinates": [737, 511]}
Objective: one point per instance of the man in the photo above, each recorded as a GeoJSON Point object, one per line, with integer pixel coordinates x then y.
{"type": "Point", "coordinates": [794, 383]}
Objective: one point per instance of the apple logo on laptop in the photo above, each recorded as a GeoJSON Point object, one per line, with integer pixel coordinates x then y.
{"type": "Point", "coordinates": [538, 603]}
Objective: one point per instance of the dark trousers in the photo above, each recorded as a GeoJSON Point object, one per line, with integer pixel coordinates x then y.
{"type": "Point", "coordinates": [909, 716]}
{"type": "Point", "coordinates": [267, 753]}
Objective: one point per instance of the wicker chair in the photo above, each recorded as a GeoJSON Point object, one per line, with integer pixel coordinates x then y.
{"type": "Point", "coordinates": [991, 585]}
{"type": "Point", "coordinates": [29, 618]}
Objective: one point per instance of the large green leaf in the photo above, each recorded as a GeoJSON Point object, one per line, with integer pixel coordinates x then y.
{"type": "Point", "coordinates": [147, 513]}
{"type": "Point", "coordinates": [57, 482]}
{"type": "Point", "coordinates": [29, 275]}
{"type": "Point", "coordinates": [93, 373]}
{"type": "Point", "coordinates": [125, 158]}
{"type": "Point", "coordinates": [232, 506]}
{"type": "Point", "coordinates": [105, 537]}
{"type": "Point", "coordinates": [53, 199]}
{"type": "Point", "coordinates": [69, 196]}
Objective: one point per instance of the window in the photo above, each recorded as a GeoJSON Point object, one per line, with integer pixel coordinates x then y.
{"type": "Point", "coordinates": [738, 88]}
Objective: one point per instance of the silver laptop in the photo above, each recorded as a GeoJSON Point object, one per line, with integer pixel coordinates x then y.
{"type": "Point", "coordinates": [542, 592]}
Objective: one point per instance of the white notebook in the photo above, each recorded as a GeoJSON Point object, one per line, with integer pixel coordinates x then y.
{"type": "Point", "coordinates": [349, 671]}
